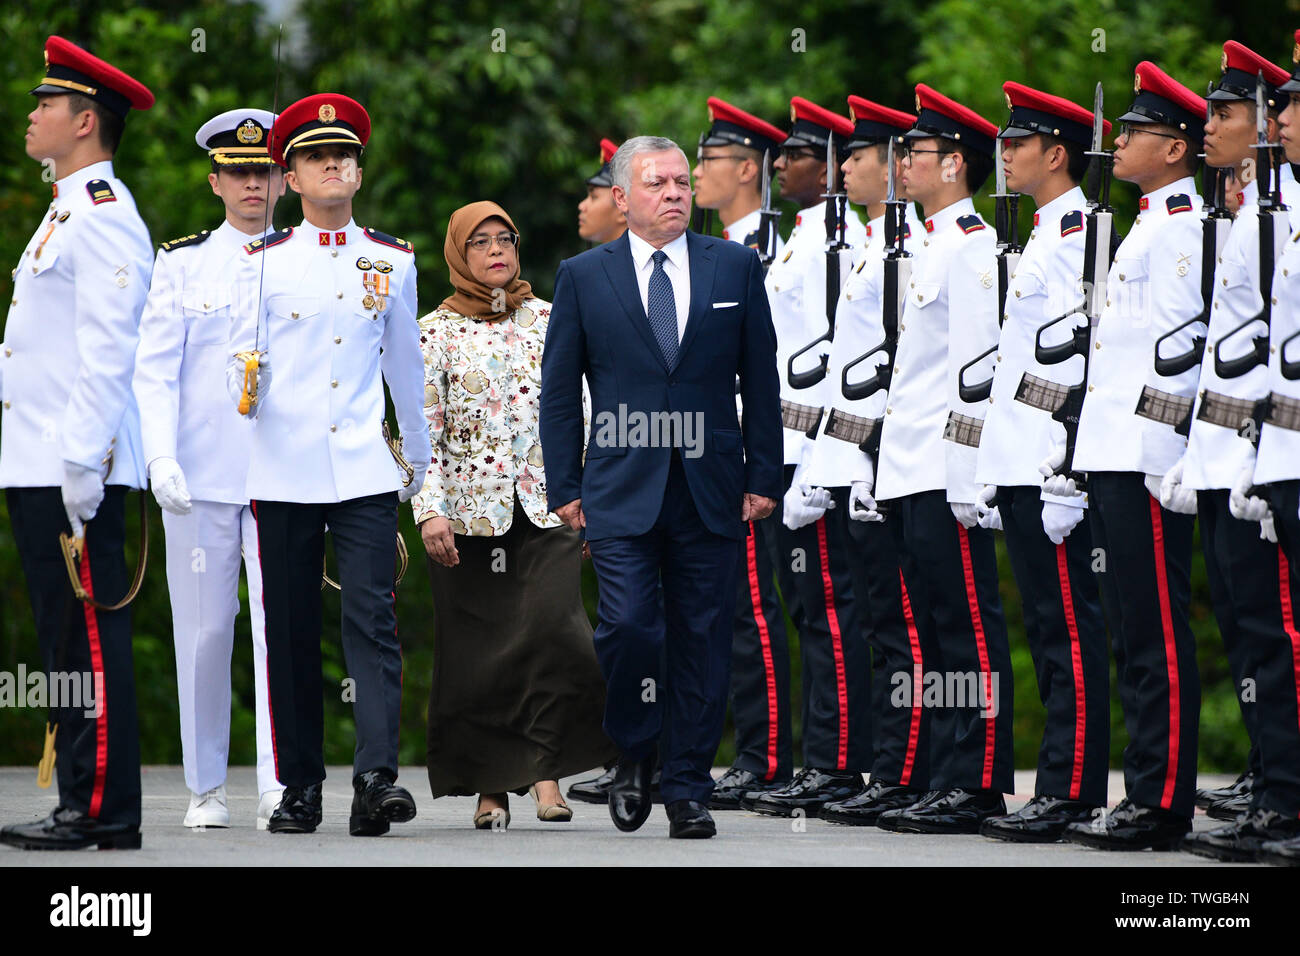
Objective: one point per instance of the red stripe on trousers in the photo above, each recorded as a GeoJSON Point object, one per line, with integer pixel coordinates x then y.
{"type": "Point", "coordinates": [270, 710]}
{"type": "Point", "coordinates": [972, 600]}
{"type": "Point", "coordinates": [1076, 664]}
{"type": "Point", "coordinates": [1288, 619]}
{"type": "Point", "coordinates": [97, 668]}
{"type": "Point", "coordinates": [765, 641]}
{"type": "Point", "coordinates": [914, 641]}
{"type": "Point", "coordinates": [1171, 652]}
{"type": "Point", "coordinates": [837, 648]}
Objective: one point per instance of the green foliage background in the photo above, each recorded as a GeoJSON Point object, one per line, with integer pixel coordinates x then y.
{"type": "Point", "coordinates": [456, 121]}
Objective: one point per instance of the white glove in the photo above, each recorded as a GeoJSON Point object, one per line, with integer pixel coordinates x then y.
{"type": "Point", "coordinates": [1059, 520]}
{"type": "Point", "coordinates": [1152, 483]}
{"type": "Point", "coordinates": [803, 505]}
{"type": "Point", "coordinates": [168, 483]}
{"type": "Point", "coordinates": [1243, 506]}
{"type": "Point", "coordinates": [1173, 494]}
{"type": "Point", "coordinates": [862, 507]}
{"type": "Point", "coordinates": [966, 514]}
{"type": "Point", "coordinates": [989, 516]}
{"type": "Point", "coordinates": [83, 490]}
{"type": "Point", "coordinates": [263, 383]}
{"type": "Point", "coordinates": [1055, 484]}
{"type": "Point", "coordinates": [408, 492]}
{"type": "Point", "coordinates": [1267, 530]}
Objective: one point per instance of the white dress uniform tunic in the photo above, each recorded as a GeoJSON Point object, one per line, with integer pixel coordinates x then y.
{"type": "Point", "coordinates": [186, 415]}
{"type": "Point", "coordinates": [1279, 447]}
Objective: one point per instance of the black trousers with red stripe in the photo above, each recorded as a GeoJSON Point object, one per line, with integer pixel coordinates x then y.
{"type": "Point", "coordinates": [952, 579]}
{"type": "Point", "coordinates": [813, 565]}
{"type": "Point", "coordinates": [760, 659]}
{"type": "Point", "coordinates": [291, 542]}
{"type": "Point", "coordinates": [901, 646]}
{"type": "Point", "coordinates": [1067, 639]}
{"type": "Point", "coordinates": [1242, 572]}
{"type": "Point", "coordinates": [98, 756]}
{"type": "Point", "coordinates": [1144, 573]}
{"type": "Point", "coordinates": [1278, 677]}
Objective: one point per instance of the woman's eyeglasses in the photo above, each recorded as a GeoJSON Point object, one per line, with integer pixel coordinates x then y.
{"type": "Point", "coordinates": [503, 239]}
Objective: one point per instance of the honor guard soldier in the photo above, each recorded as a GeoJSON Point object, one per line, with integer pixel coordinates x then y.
{"type": "Point", "coordinates": [336, 309]}
{"type": "Point", "coordinates": [812, 566]}
{"type": "Point", "coordinates": [196, 451]}
{"type": "Point", "coordinates": [1268, 830]}
{"type": "Point", "coordinates": [1128, 438]}
{"type": "Point", "coordinates": [1242, 567]}
{"type": "Point", "coordinates": [926, 470]}
{"type": "Point", "coordinates": [842, 461]}
{"type": "Point", "coordinates": [599, 220]}
{"type": "Point", "coordinates": [732, 168]}
{"type": "Point", "coordinates": [1044, 154]}
{"type": "Point", "coordinates": [70, 441]}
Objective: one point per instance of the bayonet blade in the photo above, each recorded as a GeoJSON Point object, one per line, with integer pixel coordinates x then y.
{"type": "Point", "coordinates": [891, 194]}
{"type": "Point", "coordinates": [1097, 120]}
{"type": "Point", "coordinates": [999, 170]}
{"type": "Point", "coordinates": [1261, 112]}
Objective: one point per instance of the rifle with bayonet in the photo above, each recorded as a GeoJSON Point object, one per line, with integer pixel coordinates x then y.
{"type": "Point", "coordinates": [1006, 220]}
{"type": "Point", "coordinates": [768, 218]}
{"type": "Point", "coordinates": [1097, 251]}
{"type": "Point", "coordinates": [836, 210]}
{"type": "Point", "coordinates": [1273, 230]}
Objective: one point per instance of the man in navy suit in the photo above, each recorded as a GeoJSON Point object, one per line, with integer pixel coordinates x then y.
{"type": "Point", "coordinates": [661, 322]}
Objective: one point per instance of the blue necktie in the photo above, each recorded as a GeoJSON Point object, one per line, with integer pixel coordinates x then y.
{"type": "Point", "coordinates": [662, 309]}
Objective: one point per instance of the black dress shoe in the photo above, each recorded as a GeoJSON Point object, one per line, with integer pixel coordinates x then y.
{"type": "Point", "coordinates": [1042, 820]}
{"type": "Point", "coordinates": [629, 796]}
{"type": "Point", "coordinates": [952, 811]}
{"type": "Point", "coordinates": [864, 809]}
{"type": "Point", "coordinates": [1280, 852]}
{"type": "Point", "coordinates": [1243, 784]}
{"type": "Point", "coordinates": [689, 820]}
{"type": "Point", "coordinates": [595, 790]}
{"type": "Point", "coordinates": [1131, 827]}
{"type": "Point", "coordinates": [808, 791]}
{"type": "Point", "coordinates": [66, 829]}
{"type": "Point", "coordinates": [1240, 842]}
{"type": "Point", "coordinates": [1230, 809]}
{"type": "Point", "coordinates": [378, 801]}
{"type": "Point", "coordinates": [299, 811]}
{"type": "Point", "coordinates": [732, 786]}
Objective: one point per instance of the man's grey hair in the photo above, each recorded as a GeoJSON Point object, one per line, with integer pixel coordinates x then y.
{"type": "Point", "coordinates": [620, 167]}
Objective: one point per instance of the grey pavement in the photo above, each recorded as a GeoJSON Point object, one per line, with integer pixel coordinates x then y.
{"type": "Point", "coordinates": [442, 835]}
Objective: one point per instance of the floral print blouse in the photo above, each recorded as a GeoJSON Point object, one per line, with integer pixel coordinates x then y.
{"type": "Point", "coordinates": [482, 390]}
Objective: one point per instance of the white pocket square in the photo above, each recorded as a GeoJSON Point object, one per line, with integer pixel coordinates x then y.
{"type": "Point", "coordinates": [724, 305]}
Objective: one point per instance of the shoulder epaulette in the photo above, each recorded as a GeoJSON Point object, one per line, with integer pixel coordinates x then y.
{"type": "Point", "coordinates": [266, 242]}
{"type": "Point", "coordinates": [1072, 222]}
{"type": "Point", "coordinates": [388, 240]}
{"type": "Point", "coordinates": [907, 230]}
{"type": "Point", "coordinates": [184, 241]}
{"type": "Point", "coordinates": [751, 240]}
{"type": "Point", "coordinates": [100, 191]}
{"type": "Point", "coordinates": [969, 224]}
{"type": "Point", "coordinates": [1179, 202]}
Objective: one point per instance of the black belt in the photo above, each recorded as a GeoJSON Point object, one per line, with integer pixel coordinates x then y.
{"type": "Point", "coordinates": [1163, 407]}
{"type": "Point", "coordinates": [1226, 411]}
{"type": "Point", "coordinates": [801, 418]}
{"type": "Point", "coordinates": [1040, 393]}
{"type": "Point", "coordinates": [851, 428]}
{"type": "Point", "coordinates": [1283, 412]}
{"type": "Point", "coordinates": [963, 430]}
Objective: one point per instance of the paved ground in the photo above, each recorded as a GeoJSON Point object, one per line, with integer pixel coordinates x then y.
{"type": "Point", "coordinates": [442, 834]}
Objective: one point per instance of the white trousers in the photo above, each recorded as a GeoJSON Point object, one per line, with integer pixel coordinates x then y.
{"type": "Point", "coordinates": [203, 555]}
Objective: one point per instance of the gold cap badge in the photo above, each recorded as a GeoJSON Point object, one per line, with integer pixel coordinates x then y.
{"type": "Point", "coordinates": [1223, 63]}
{"type": "Point", "coordinates": [1137, 82]}
{"type": "Point", "coordinates": [1008, 99]}
{"type": "Point", "coordinates": [249, 133]}
{"type": "Point", "coordinates": [326, 113]}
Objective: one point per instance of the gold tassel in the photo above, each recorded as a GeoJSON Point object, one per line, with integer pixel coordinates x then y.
{"type": "Point", "coordinates": [45, 769]}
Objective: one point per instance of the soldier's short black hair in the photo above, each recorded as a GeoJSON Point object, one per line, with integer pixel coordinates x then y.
{"type": "Point", "coordinates": [108, 123]}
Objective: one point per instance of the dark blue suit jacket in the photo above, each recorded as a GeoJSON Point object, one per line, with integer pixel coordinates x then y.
{"type": "Point", "coordinates": [599, 328]}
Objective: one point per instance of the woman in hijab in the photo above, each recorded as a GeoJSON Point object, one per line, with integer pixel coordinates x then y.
{"type": "Point", "coordinates": [517, 697]}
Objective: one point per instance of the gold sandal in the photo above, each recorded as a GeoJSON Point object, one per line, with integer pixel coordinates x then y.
{"type": "Point", "coordinates": [551, 812]}
{"type": "Point", "coordinates": [487, 819]}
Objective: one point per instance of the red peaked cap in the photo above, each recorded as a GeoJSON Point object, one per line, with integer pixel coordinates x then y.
{"type": "Point", "coordinates": [812, 125]}
{"type": "Point", "coordinates": [607, 150]}
{"type": "Point", "coordinates": [873, 123]}
{"type": "Point", "coordinates": [1162, 99]}
{"type": "Point", "coordinates": [1241, 66]}
{"type": "Point", "coordinates": [1033, 111]}
{"type": "Point", "coordinates": [940, 116]}
{"type": "Point", "coordinates": [319, 120]}
{"type": "Point", "coordinates": [70, 69]}
{"type": "Point", "coordinates": [732, 125]}
{"type": "Point", "coordinates": [1293, 85]}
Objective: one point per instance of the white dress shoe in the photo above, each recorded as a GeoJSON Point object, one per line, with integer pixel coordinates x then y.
{"type": "Point", "coordinates": [208, 809]}
{"type": "Point", "coordinates": [266, 806]}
